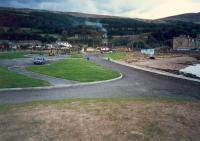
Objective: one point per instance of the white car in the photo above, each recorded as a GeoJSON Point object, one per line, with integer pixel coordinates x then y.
{"type": "Point", "coordinates": [40, 60]}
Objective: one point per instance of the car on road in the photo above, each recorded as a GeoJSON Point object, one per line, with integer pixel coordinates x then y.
{"type": "Point", "coordinates": [39, 60]}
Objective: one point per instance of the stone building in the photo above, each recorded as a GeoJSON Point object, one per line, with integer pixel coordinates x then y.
{"type": "Point", "coordinates": [184, 42]}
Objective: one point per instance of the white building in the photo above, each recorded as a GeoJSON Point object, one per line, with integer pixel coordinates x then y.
{"type": "Point", "coordinates": [63, 44]}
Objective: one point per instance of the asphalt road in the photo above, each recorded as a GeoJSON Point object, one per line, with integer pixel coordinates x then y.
{"type": "Point", "coordinates": [134, 83]}
{"type": "Point", "coordinates": [28, 61]}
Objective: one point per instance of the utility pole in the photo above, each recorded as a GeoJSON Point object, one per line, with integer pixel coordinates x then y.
{"type": "Point", "coordinates": [93, 42]}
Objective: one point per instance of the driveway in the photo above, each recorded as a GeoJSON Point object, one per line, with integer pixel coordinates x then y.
{"type": "Point", "coordinates": [27, 61]}
{"type": "Point", "coordinates": [52, 80]}
{"type": "Point", "coordinates": [134, 83]}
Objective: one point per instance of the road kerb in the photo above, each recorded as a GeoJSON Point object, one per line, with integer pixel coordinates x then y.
{"type": "Point", "coordinates": [156, 71]}
{"type": "Point", "coordinates": [62, 86]}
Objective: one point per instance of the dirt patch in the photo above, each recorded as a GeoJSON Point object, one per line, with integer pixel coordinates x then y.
{"type": "Point", "coordinates": [135, 57]}
{"type": "Point", "coordinates": [174, 63]}
{"type": "Point", "coordinates": [168, 62]}
{"type": "Point", "coordinates": [102, 121]}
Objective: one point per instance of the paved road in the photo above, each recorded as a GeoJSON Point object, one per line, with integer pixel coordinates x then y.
{"type": "Point", "coordinates": [134, 83]}
{"type": "Point", "coordinates": [28, 61]}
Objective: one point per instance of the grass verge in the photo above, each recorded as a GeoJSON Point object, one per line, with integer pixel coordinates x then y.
{"type": "Point", "coordinates": [113, 119]}
{"type": "Point", "coordinates": [77, 70]}
{"type": "Point", "coordinates": [76, 55]}
{"type": "Point", "coordinates": [17, 54]}
{"type": "Point", "coordinates": [12, 80]}
{"type": "Point", "coordinates": [117, 55]}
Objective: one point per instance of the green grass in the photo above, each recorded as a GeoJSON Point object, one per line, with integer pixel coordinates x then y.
{"type": "Point", "coordinates": [115, 100]}
{"type": "Point", "coordinates": [116, 55]}
{"type": "Point", "coordinates": [17, 54]}
{"type": "Point", "coordinates": [12, 55]}
{"type": "Point", "coordinates": [77, 55]}
{"type": "Point", "coordinates": [76, 69]}
{"type": "Point", "coordinates": [12, 80]}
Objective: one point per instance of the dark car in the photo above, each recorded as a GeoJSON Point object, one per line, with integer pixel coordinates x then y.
{"type": "Point", "coordinates": [39, 60]}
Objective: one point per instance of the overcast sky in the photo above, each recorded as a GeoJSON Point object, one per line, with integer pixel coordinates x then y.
{"type": "Point", "coordinates": [147, 9]}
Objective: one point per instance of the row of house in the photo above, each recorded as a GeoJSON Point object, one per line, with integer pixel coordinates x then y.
{"type": "Point", "coordinates": [25, 44]}
{"type": "Point", "coordinates": [32, 44]}
{"type": "Point", "coordinates": [184, 42]}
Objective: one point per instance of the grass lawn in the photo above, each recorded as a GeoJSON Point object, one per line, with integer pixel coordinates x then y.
{"type": "Point", "coordinates": [76, 55]}
{"type": "Point", "coordinates": [17, 54]}
{"type": "Point", "coordinates": [117, 55]}
{"type": "Point", "coordinates": [76, 69]}
{"type": "Point", "coordinates": [117, 119]}
{"type": "Point", "coordinates": [12, 80]}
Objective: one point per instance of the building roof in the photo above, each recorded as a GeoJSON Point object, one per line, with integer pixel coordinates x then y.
{"type": "Point", "coordinates": [64, 44]}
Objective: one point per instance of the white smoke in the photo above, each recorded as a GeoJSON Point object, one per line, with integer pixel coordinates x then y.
{"type": "Point", "coordinates": [96, 24]}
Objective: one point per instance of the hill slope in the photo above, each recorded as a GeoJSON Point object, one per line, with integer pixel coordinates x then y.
{"type": "Point", "coordinates": [74, 23]}
{"type": "Point", "coordinates": [189, 17]}
{"type": "Point", "coordinates": [48, 26]}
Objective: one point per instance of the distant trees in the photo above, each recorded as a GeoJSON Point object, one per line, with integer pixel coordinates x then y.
{"type": "Point", "coordinates": [120, 41]}
{"type": "Point", "coordinates": [2, 30]}
{"type": "Point", "coordinates": [137, 45]}
{"type": "Point", "coordinates": [48, 39]}
{"type": "Point", "coordinates": [165, 33]}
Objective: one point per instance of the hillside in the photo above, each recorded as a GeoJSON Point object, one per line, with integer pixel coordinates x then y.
{"type": "Point", "coordinates": [189, 17]}
{"type": "Point", "coordinates": [40, 18]}
{"type": "Point", "coordinates": [85, 15]}
{"type": "Point", "coordinates": [49, 26]}
{"type": "Point", "coordinates": [47, 22]}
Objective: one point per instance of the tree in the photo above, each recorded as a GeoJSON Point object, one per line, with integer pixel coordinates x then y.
{"type": "Point", "coordinates": [139, 45]}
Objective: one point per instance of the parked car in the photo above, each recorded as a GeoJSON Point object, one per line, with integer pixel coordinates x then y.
{"type": "Point", "coordinates": [40, 60]}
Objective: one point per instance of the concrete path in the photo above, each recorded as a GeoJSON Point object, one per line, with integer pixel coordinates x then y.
{"type": "Point", "coordinates": [16, 62]}
{"type": "Point", "coordinates": [134, 83]}
{"type": "Point", "coordinates": [52, 80]}
{"type": "Point", "coordinates": [18, 65]}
